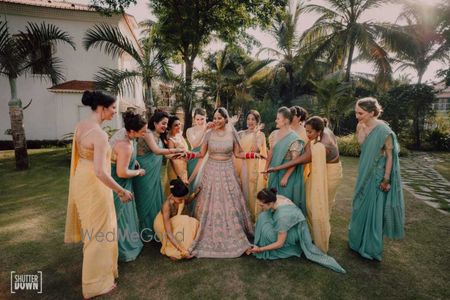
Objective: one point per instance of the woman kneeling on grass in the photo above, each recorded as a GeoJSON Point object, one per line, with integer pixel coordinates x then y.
{"type": "Point", "coordinates": [174, 227]}
{"type": "Point", "coordinates": [281, 232]}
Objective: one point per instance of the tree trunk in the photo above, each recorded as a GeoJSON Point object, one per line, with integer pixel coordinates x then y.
{"type": "Point", "coordinates": [291, 87]}
{"type": "Point", "coordinates": [188, 108]}
{"type": "Point", "coordinates": [349, 62]}
{"type": "Point", "coordinates": [17, 128]}
{"type": "Point", "coordinates": [148, 98]}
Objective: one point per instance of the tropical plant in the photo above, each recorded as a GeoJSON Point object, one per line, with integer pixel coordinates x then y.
{"type": "Point", "coordinates": [423, 40]}
{"type": "Point", "coordinates": [151, 63]}
{"type": "Point", "coordinates": [284, 31]}
{"type": "Point", "coordinates": [333, 97]}
{"type": "Point", "coordinates": [24, 52]}
{"type": "Point", "coordinates": [339, 31]}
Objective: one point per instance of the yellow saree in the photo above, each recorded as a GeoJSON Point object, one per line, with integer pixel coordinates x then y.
{"type": "Point", "coordinates": [184, 229]}
{"type": "Point", "coordinates": [252, 181]}
{"type": "Point", "coordinates": [320, 193]}
{"type": "Point", "coordinates": [91, 218]}
{"type": "Point", "coordinates": [301, 131]}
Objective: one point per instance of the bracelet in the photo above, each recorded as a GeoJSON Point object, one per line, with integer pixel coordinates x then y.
{"type": "Point", "coordinates": [386, 181]}
{"type": "Point", "coordinates": [121, 193]}
{"type": "Point", "coordinates": [250, 155]}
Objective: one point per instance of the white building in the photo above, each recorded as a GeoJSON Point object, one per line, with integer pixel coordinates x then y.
{"type": "Point", "coordinates": [55, 110]}
{"type": "Point", "coordinates": [442, 104]}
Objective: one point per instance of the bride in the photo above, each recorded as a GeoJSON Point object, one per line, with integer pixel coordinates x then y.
{"type": "Point", "coordinates": [225, 224]}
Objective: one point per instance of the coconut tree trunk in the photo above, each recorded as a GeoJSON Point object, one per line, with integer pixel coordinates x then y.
{"type": "Point", "coordinates": [148, 98]}
{"type": "Point", "coordinates": [349, 62]}
{"type": "Point", "coordinates": [17, 128]}
{"type": "Point", "coordinates": [188, 108]}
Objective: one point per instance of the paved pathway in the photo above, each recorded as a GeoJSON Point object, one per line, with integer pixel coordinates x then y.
{"type": "Point", "coordinates": [424, 181]}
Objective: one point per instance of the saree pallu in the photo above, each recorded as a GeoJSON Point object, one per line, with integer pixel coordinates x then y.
{"type": "Point", "coordinates": [130, 244]}
{"type": "Point", "coordinates": [295, 188]}
{"type": "Point", "coordinates": [148, 193]}
{"type": "Point", "coordinates": [225, 223]}
{"type": "Point", "coordinates": [91, 218]}
{"type": "Point", "coordinates": [289, 218]}
{"type": "Point", "coordinates": [376, 213]}
{"type": "Point", "coordinates": [320, 193]}
{"type": "Point", "coordinates": [252, 181]}
{"type": "Point", "coordinates": [184, 229]}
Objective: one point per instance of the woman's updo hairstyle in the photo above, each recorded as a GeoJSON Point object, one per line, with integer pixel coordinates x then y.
{"type": "Point", "coordinates": [223, 112]}
{"type": "Point", "coordinates": [157, 116]}
{"type": "Point", "coordinates": [299, 112]}
{"type": "Point", "coordinates": [172, 120]}
{"type": "Point", "coordinates": [267, 196]}
{"type": "Point", "coordinates": [255, 114]}
{"type": "Point", "coordinates": [97, 98]}
{"type": "Point", "coordinates": [178, 188]}
{"type": "Point", "coordinates": [285, 112]}
{"type": "Point", "coordinates": [133, 120]}
{"type": "Point", "coordinates": [316, 123]}
{"type": "Point", "coordinates": [200, 111]}
{"type": "Point", "coordinates": [370, 104]}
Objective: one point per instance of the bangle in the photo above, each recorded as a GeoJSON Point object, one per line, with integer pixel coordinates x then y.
{"type": "Point", "coordinates": [386, 181]}
{"type": "Point", "coordinates": [120, 193]}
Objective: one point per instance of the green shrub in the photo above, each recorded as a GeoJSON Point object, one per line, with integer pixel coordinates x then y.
{"type": "Point", "coordinates": [348, 145]}
{"type": "Point", "coordinates": [439, 140]}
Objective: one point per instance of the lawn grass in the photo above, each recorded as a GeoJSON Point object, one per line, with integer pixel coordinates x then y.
{"type": "Point", "coordinates": [32, 217]}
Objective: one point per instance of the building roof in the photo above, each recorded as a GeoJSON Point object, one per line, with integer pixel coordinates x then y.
{"type": "Point", "coordinates": [52, 4]}
{"type": "Point", "coordinates": [73, 86]}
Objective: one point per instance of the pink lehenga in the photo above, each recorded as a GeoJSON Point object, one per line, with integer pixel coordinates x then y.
{"type": "Point", "coordinates": [225, 224]}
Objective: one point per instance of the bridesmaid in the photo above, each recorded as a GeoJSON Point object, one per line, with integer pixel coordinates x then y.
{"type": "Point", "coordinates": [148, 188]}
{"type": "Point", "coordinates": [90, 207]}
{"type": "Point", "coordinates": [285, 146]}
{"type": "Point", "coordinates": [252, 140]}
{"type": "Point", "coordinates": [299, 116]}
{"type": "Point", "coordinates": [378, 205]}
{"type": "Point", "coordinates": [195, 136]}
{"type": "Point", "coordinates": [326, 173]}
{"type": "Point", "coordinates": [282, 232]}
{"type": "Point", "coordinates": [123, 159]}
{"type": "Point", "coordinates": [174, 227]}
{"type": "Point", "coordinates": [175, 167]}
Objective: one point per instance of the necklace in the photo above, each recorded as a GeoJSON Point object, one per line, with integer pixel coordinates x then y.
{"type": "Point", "coordinates": [221, 135]}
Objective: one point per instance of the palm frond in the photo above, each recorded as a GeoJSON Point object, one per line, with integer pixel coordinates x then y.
{"type": "Point", "coordinates": [111, 40]}
{"type": "Point", "coordinates": [116, 81]}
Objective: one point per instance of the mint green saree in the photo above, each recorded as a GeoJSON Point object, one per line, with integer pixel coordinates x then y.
{"type": "Point", "coordinates": [376, 213]}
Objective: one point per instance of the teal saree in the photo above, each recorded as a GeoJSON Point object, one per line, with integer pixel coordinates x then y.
{"type": "Point", "coordinates": [148, 191]}
{"type": "Point", "coordinates": [130, 244]}
{"type": "Point", "coordinates": [289, 218]}
{"type": "Point", "coordinates": [376, 213]}
{"type": "Point", "coordinates": [295, 188]}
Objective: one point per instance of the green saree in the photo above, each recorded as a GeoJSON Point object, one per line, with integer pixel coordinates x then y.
{"type": "Point", "coordinates": [289, 218]}
{"type": "Point", "coordinates": [295, 188]}
{"type": "Point", "coordinates": [130, 244]}
{"type": "Point", "coordinates": [376, 213]}
{"type": "Point", "coordinates": [148, 191]}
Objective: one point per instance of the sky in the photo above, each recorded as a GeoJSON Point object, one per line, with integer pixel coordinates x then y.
{"type": "Point", "coordinates": [386, 13]}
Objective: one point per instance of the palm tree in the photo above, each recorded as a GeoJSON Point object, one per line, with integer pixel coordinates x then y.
{"type": "Point", "coordinates": [424, 38]}
{"type": "Point", "coordinates": [151, 62]}
{"type": "Point", "coordinates": [333, 98]}
{"type": "Point", "coordinates": [20, 54]}
{"type": "Point", "coordinates": [339, 31]}
{"type": "Point", "coordinates": [284, 31]}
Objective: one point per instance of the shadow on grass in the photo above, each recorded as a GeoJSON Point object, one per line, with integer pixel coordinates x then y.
{"type": "Point", "coordinates": [32, 216]}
